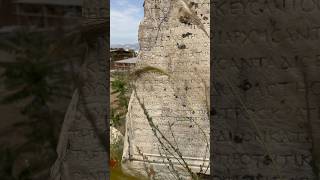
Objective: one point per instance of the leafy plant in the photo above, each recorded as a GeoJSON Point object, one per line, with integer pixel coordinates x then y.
{"type": "Point", "coordinates": [35, 78]}
{"type": "Point", "coordinates": [116, 118]}
{"type": "Point", "coordinates": [121, 88]}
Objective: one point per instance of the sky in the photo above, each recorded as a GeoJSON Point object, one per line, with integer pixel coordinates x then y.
{"type": "Point", "coordinates": [125, 16]}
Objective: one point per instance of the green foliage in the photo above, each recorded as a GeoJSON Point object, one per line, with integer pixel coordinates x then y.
{"type": "Point", "coordinates": [116, 150]}
{"type": "Point", "coordinates": [117, 119]}
{"type": "Point", "coordinates": [117, 174]}
{"type": "Point", "coordinates": [35, 76]}
{"type": "Point", "coordinates": [121, 88]}
{"type": "Point", "coordinates": [36, 79]}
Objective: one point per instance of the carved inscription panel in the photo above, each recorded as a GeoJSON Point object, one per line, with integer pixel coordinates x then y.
{"type": "Point", "coordinates": [177, 100]}
{"type": "Point", "coordinates": [266, 100]}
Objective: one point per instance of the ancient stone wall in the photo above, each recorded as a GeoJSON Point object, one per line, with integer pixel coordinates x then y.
{"type": "Point", "coordinates": [266, 89]}
{"type": "Point", "coordinates": [174, 138]}
{"type": "Point", "coordinates": [82, 149]}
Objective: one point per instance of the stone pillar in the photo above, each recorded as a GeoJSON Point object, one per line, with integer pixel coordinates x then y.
{"type": "Point", "coordinates": [167, 125]}
{"type": "Point", "coordinates": [83, 146]}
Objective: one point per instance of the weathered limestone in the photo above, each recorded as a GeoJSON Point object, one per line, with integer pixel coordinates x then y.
{"type": "Point", "coordinates": [115, 136]}
{"type": "Point", "coordinates": [82, 149]}
{"type": "Point", "coordinates": [266, 90]}
{"type": "Point", "coordinates": [174, 38]}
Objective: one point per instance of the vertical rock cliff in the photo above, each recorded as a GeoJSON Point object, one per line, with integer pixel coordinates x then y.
{"type": "Point", "coordinates": [167, 125]}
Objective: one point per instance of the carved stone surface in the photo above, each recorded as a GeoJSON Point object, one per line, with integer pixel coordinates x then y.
{"type": "Point", "coordinates": [83, 144]}
{"type": "Point", "coordinates": [266, 89]}
{"type": "Point", "coordinates": [174, 38]}
{"type": "Point", "coordinates": [115, 136]}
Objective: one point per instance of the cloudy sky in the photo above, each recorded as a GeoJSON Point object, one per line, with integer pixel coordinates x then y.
{"type": "Point", "coordinates": [125, 16]}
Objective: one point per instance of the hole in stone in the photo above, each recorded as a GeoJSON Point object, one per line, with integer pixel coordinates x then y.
{"type": "Point", "coordinates": [181, 46]}
{"type": "Point", "coordinates": [267, 160]}
{"type": "Point", "coordinates": [245, 85]}
{"type": "Point", "coordinates": [186, 34]}
{"type": "Point", "coordinates": [237, 139]}
{"type": "Point", "coordinates": [184, 20]}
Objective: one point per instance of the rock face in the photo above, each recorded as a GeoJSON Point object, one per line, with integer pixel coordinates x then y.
{"type": "Point", "coordinates": [82, 148]}
{"type": "Point", "coordinates": [115, 136]}
{"type": "Point", "coordinates": [266, 93]}
{"type": "Point", "coordinates": [167, 128]}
